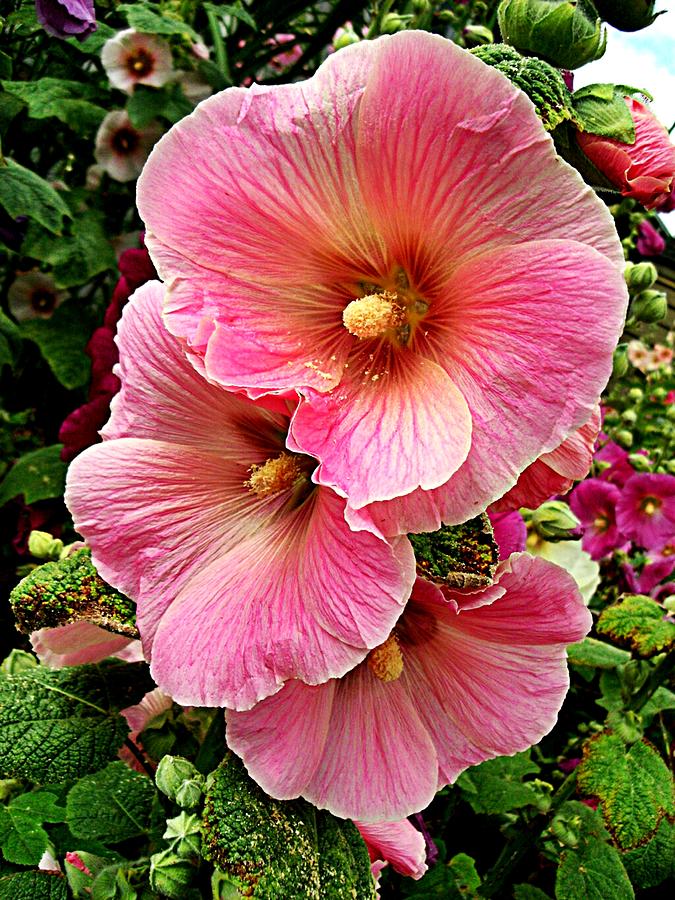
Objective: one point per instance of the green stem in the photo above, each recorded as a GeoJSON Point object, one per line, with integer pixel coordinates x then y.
{"type": "Point", "coordinates": [218, 43]}
{"type": "Point", "coordinates": [657, 677]}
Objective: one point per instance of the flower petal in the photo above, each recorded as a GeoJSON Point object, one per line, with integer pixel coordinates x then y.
{"type": "Point", "coordinates": [80, 643]}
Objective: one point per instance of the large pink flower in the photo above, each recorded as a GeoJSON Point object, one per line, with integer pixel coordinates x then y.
{"type": "Point", "coordinates": [594, 503]}
{"type": "Point", "coordinates": [645, 511]}
{"type": "Point", "coordinates": [460, 680]}
{"type": "Point", "coordinates": [397, 240]}
{"type": "Point", "coordinates": [244, 573]}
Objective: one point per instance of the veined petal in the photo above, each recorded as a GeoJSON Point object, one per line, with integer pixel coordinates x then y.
{"type": "Point", "coordinates": [80, 643]}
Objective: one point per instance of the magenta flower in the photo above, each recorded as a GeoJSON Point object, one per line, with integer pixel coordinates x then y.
{"type": "Point", "coordinates": [594, 502]}
{"type": "Point", "coordinates": [450, 687]}
{"type": "Point", "coordinates": [442, 290]}
{"type": "Point", "coordinates": [67, 18]}
{"type": "Point", "coordinates": [130, 58]}
{"type": "Point", "coordinates": [645, 511]}
{"type": "Point", "coordinates": [244, 573]}
{"type": "Point", "coordinates": [398, 843]}
{"type": "Point", "coordinates": [650, 242]}
{"type": "Point", "coordinates": [619, 469]}
{"type": "Point", "coordinates": [510, 531]}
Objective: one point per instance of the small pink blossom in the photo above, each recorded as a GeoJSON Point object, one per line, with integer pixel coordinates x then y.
{"type": "Point", "coordinates": [132, 58]}
{"type": "Point", "coordinates": [244, 573]}
{"type": "Point", "coordinates": [650, 242]}
{"type": "Point", "coordinates": [443, 292]}
{"type": "Point", "coordinates": [75, 860]}
{"type": "Point", "coordinates": [620, 468]}
{"type": "Point", "coordinates": [452, 686]}
{"type": "Point", "coordinates": [594, 502]}
{"type": "Point", "coordinates": [398, 843]}
{"type": "Point", "coordinates": [34, 296]}
{"type": "Point", "coordinates": [122, 149]}
{"type": "Point", "coordinates": [289, 55]}
{"type": "Point", "coordinates": [645, 511]}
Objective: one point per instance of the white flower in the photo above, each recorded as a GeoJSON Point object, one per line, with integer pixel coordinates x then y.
{"type": "Point", "coordinates": [34, 296]}
{"type": "Point", "coordinates": [132, 58]}
{"type": "Point", "coordinates": [122, 149]}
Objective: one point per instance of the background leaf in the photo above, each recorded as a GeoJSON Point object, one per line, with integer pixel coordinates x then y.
{"type": "Point", "coordinates": [38, 475]}
{"type": "Point", "coordinates": [23, 193]}
{"type": "Point", "coordinates": [111, 805]}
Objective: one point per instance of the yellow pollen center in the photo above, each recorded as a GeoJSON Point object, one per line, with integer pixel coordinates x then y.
{"type": "Point", "coordinates": [371, 316]}
{"type": "Point", "coordinates": [601, 523]}
{"type": "Point", "coordinates": [650, 505]}
{"type": "Point", "coordinates": [386, 661]}
{"type": "Point", "coordinates": [274, 476]}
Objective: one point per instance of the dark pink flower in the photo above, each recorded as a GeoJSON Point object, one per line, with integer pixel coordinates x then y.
{"type": "Point", "coordinates": [510, 531]}
{"type": "Point", "coordinates": [650, 242]}
{"type": "Point", "coordinates": [619, 469]}
{"type": "Point", "coordinates": [645, 511]}
{"type": "Point", "coordinates": [643, 170]}
{"type": "Point", "coordinates": [594, 503]}
{"type": "Point", "coordinates": [648, 581]}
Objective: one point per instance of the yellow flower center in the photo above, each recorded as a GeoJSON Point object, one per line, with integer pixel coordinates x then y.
{"type": "Point", "coordinates": [601, 523]}
{"type": "Point", "coordinates": [274, 476]}
{"type": "Point", "coordinates": [373, 315]}
{"type": "Point", "coordinates": [650, 505]}
{"type": "Point", "coordinates": [386, 661]}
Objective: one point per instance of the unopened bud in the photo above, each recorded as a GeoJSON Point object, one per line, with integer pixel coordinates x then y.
{"type": "Point", "coordinates": [624, 438]}
{"type": "Point", "coordinates": [184, 832]}
{"type": "Point", "coordinates": [627, 725]}
{"type": "Point", "coordinates": [627, 15]}
{"type": "Point", "coordinates": [17, 661]}
{"type": "Point", "coordinates": [392, 23]}
{"type": "Point", "coordinates": [649, 306]}
{"type": "Point", "coordinates": [640, 276]}
{"type": "Point", "coordinates": [476, 35]}
{"type": "Point", "coordinates": [345, 36]}
{"type": "Point", "coordinates": [635, 394]}
{"type": "Point", "coordinates": [173, 772]}
{"type": "Point", "coordinates": [189, 794]}
{"type": "Point", "coordinates": [670, 467]}
{"type": "Point", "coordinates": [640, 462]}
{"type": "Point", "coordinates": [566, 830]}
{"type": "Point", "coordinates": [620, 361]}
{"type": "Point", "coordinates": [170, 875]}
{"type": "Point", "coordinates": [43, 545]}
{"type": "Point", "coordinates": [555, 521]}
{"type": "Point", "coordinates": [629, 416]}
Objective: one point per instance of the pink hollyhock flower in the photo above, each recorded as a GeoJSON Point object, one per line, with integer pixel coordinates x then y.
{"type": "Point", "coordinates": [398, 843]}
{"type": "Point", "coordinates": [650, 242]}
{"type": "Point", "coordinates": [620, 468]}
{"type": "Point", "coordinates": [643, 170]}
{"type": "Point", "coordinates": [451, 686]}
{"type": "Point", "coordinates": [510, 531]}
{"type": "Point", "coordinates": [122, 149]}
{"type": "Point", "coordinates": [244, 573]}
{"type": "Point", "coordinates": [442, 290]}
{"type": "Point", "coordinates": [555, 472]}
{"type": "Point", "coordinates": [594, 502]}
{"type": "Point", "coordinates": [657, 569]}
{"type": "Point", "coordinates": [130, 58]}
{"type": "Point", "coordinates": [80, 643]}
{"type": "Point", "coordinates": [34, 296]}
{"type": "Point", "coordinates": [645, 511]}
{"type": "Point", "coordinates": [138, 717]}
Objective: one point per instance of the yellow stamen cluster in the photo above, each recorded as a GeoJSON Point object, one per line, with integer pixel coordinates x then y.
{"type": "Point", "coordinates": [386, 661]}
{"type": "Point", "coordinates": [274, 476]}
{"type": "Point", "coordinates": [370, 316]}
{"type": "Point", "coordinates": [650, 505]}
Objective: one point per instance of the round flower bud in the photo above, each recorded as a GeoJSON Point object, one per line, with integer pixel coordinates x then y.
{"type": "Point", "coordinates": [640, 462]}
{"type": "Point", "coordinates": [627, 15]}
{"type": "Point", "coordinates": [169, 874]}
{"type": "Point", "coordinates": [629, 416]}
{"type": "Point", "coordinates": [345, 36]}
{"type": "Point", "coordinates": [392, 23]}
{"type": "Point", "coordinates": [189, 794]}
{"type": "Point", "coordinates": [620, 361]}
{"type": "Point", "coordinates": [649, 306]}
{"type": "Point", "coordinates": [476, 35]}
{"type": "Point", "coordinates": [640, 276]}
{"type": "Point", "coordinates": [43, 545]}
{"type": "Point", "coordinates": [184, 834]}
{"type": "Point", "coordinates": [566, 33]}
{"type": "Point", "coordinates": [172, 772]}
{"type": "Point", "coordinates": [555, 521]}
{"type": "Point", "coordinates": [636, 394]}
{"type": "Point", "coordinates": [624, 438]}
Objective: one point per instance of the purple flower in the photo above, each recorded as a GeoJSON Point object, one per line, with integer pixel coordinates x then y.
{"type": "Point", "coordinates": [645, 510]}
{"type": "Point", "coordinates": [67, 18]}
{"type": "Point", "coordinates": [593, 502]}
{"type": "Point", "coordinates": [650, 242]}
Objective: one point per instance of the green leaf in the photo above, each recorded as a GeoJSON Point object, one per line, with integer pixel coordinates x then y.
{"type": "Point", "coordinates": [38, 475]}
{"type": "Point", "coordinates": [76, 257]}
{"type": "Point", "coordinates": [95, 41]}
{"type": "Point", "coordinates": [22, 837]}
{"type": "Point", "coordinates": [23, 193]}
{"type": "Point", "coordinates": [633, 783]}
{"type": "Point", "coordinates": [59, 724]}
{"type": "Point", "coordinates": [496, 786]}
{"type": "Point", "coordinates": [529, 892]}
{"type": "Point", "coordinates": [653, 862]}
{"type": "Point", "coordinates": [592, 872]}
{"type": "Point", "coordinates": [10, 340]}
{"type": "Point", "coordinates": [639, 622]}
{"type": "Point", "coordinates": [146, 104]}
{"type": "Point", "coordinates": [62, 340]}
{"type": "Point", "coordinates": [112, 805]}
{"type": "Point", "coordinates": [146, 17]}
{"type": "Point", "coordinates": [271, 849]}
{"type": "Point", "coordinates": [596, 654]}
{"type": "Point", "coordinates": [236, 10]}
{"type": "Point", "coordinates": [457, 880]}
{"type": "Point", "coordinates": [5, 65]}
{"type": "Point", "coordinates": [33, 886]}
{"type": "Point", "coordinates": [64, 100]}
{"type": "Point", "coordinates": [601, 109]}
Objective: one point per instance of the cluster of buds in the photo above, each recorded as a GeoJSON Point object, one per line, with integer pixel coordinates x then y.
{"type": "Point", "coordinates": [647, 305]}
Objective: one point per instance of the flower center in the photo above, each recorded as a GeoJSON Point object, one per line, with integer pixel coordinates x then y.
{"type": "Point", "coordinates": [43, 301]}
{"type": "Point", "coordinates": [140, 63]}
{"type": "Point", "coordinates": [601, 523]}
{"type": "Point", "coordinates": [650, 505]}
{"type": "Point", "coordinates": [373, 315]}
{"type": "Point", "coordinates": [125, 141]}
{"type": "Point", "coordinates": [274, 476]}
{"type": "Point", "coordinates": [386, 661]}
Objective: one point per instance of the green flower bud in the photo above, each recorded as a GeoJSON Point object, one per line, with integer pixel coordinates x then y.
{"type": "Point", "coordinates": [184, 833]}
{"type": "Point", "coordinates": [670, 467]}
{"type": "Point", "coordinates": [172, 772]}
{"type": "Point", "coordinates": [475, 35]}
{"type": "Point", "coordinates": [640, 462]}
{"type": "Point", "coordinates": [189, 794]}
{"type": "Point", "coordinates": [627, 725]}
{"type": "Point", "coordinates": [542, 83]}
{"type": "Point", "coordinates": [43, 545]}
{"type": "Point", "coordinates": [566, 33]}
{"type": "Point", "coordinates": [635, 394]}
{"type": "Point", "coordinates": [620, 361]}
{"type": "Point", "coordinates": [392, 23]}
{"type": "Point", "coordinates": [624, 438]}
{"type": "Point", "coordinates": [627, 15]}
{"type": "Point", "coordinates": [555, 521]}
{"type": "Point", "coordinates": [170, 875]}
{"type": "Point", "coordinates": [629, 416]}
{"type": "Point", "coordinates": [345, 36]}
{"type": "Point", "coordinates": [649, 306]}
{"type": "Point", "coordinates": [640, 276]}
{"type": "Point", "coordinates": [669, 604]}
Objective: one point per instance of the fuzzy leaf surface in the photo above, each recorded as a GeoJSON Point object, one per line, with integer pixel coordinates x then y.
{"type": "Point", "coordinates": [639, 622]}
{"type": "Point", "coordinates": [111, 805]}
{"type": "Point", "coordinates": [22, 837]}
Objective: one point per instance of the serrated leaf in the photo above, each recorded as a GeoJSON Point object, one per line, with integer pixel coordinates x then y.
{"type": "Point", "coordinates": [639, 622]}
{"type": "Point", "coordinates": [272, 849]}
{"type": "Point", "coordinates": [654, 862]}
{"type": "Point", "coordinates": [112, 805]}
{"type": "Point", "coordinates": [62, 339]}
{"type": "Point", "coordinates": [67, 101]}
{"type": "Point", "coordinates": [592, 872]}
{"type": "Point", "coordinates": [596, 654]}
{"type": "Point", "coordinates": [496, 786]}
{"type": "Point", "coordinates": [76, 257]}
{"type": "Point", "coordinates": [24, 193]}
{"type": "Point", "coordinates": [38, 475]}
{"type": "Point", "coordinates": [59, 724]}
{"type": "Point", "coordinates": [633, 783]}
{"type": "Point", "coordinates": [22, 837]}
{"type": "Point", "coordinates": [146, 17]}
{"type": "Point", "coordinates": [33, 886]}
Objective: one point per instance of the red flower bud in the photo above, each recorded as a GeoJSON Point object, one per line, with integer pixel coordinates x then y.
{"type": "Point", "coordinates": [645, 169]}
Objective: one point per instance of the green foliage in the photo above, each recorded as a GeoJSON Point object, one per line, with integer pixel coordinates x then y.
{"type": "Point", "coordinates": [57, 98]}
{"type": "Point", "coordinates": [149, 18]}
{"type": "Point", "coordinates": [10, 338]}
{"type": "Point", "coordinates": [652, 863]}
{"type": "Point", "coordinates": [529, 892]}
{"type": "Point", "coordinates": [639, 622]}
{"type": "Point", "coordinates": [601, 109]}
{"type": "Point", "coordinates": [456, 880]}
{"type": "Point", "coordinates": [111, 805]}
{"type": "Point", "coordinates": [62, 340]}
{"type": "Point", "coordinates": [22, 837]}
{"type": "Point", "coordinates": [70, 590]}
{"type": "Point", "coordinates": [272, 849]}
{"type": "Point", "coordinates": [596, 654]}
{"type": "Point", "coordinates": [633, 784]}
{"type": "Point", "coordinates": [38, 475]}
{"type": "Point", "coordinates": [33, 886]}
{"type": "Point", "coordinates": [146, 104]}
{"type": "Point", "coordinates": [496, 786]}
{"type": "Point", "coordinates": [24, 193]}
{"type": "Point", "coordinates": [460, 556]}
{"type": "Point", "coordinates": [56, 725]}
{"type": "Point", "coordinates": [76, 257]}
